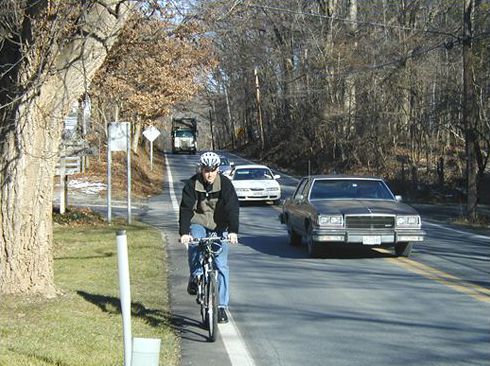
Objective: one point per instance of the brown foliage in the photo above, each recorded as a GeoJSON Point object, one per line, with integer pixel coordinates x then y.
{"type": "Point", "coordinates": [154, 64]}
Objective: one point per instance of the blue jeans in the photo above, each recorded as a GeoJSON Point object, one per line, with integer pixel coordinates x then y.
{"type": "Point", "coordinates": [221, 261]}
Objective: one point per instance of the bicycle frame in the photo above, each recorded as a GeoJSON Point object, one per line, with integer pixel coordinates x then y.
{"type": "Point", "coordinates": [207, 290]}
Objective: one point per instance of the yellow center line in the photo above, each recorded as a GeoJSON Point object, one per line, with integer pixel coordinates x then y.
{"type": "Point", "coordinates": [478, 292]}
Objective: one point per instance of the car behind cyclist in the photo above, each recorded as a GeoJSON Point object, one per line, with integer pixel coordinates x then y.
{"type": "Point", "coordinates": [209, 205]}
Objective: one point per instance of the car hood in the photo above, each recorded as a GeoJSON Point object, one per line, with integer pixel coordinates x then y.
{"type": "Point", "coordinates": [255, 183]}
{"type": "Point", "coordinates": [362, 207]}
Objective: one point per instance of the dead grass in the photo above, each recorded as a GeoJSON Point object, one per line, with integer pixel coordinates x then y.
{"type": "Point", "coordinates": [145, 181]}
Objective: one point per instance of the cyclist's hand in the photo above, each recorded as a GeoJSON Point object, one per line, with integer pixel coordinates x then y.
{"type": "Point", "coordinates": [185, 239]}
{"type": "Point", "coordinates": [233, 238]}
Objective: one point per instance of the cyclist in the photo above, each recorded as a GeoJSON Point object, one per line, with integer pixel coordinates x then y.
{"type": "Point", "coordinates": [209, 205]}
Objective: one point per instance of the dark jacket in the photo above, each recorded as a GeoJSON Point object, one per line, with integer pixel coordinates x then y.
{"type": "Point", "coordinates": [214, 206]}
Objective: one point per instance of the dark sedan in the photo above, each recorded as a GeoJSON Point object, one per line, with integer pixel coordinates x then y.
{"type": "Point", "coordinates": [350, 210]}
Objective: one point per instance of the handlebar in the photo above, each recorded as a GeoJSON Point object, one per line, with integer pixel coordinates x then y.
{"type": "Point", "coordinates": [211, 244]}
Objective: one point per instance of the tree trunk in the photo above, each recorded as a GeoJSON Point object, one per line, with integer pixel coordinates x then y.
{"type": "Point", "coordinates": [135, 138]}
{"type": "Point", "coordinates": [28, 157]}
{"type": "Point", "coordinates": [31, 133]}
{"type": "Point", "coordinates": [470, 113]}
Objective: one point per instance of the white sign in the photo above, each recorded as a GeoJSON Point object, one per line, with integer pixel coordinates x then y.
{"type": "Point", "coordinates": [72, 166]}
{"type": "Point", "coordinates": [151, 133]}
{"type": "Point", "coordinates": [118, 136]}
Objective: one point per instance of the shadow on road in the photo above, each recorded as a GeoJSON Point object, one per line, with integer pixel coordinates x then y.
{"type": "Point", "coordinates": [279, 246]}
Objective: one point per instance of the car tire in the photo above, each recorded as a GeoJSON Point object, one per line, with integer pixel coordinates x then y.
{"type": "Point", "coordinates": [313, 247]}
{"type": "Point", "coordinates": [403, 249]}
{"type": "Point", "coordinates": [294, 238]}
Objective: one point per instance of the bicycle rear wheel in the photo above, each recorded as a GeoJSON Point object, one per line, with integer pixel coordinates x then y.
{"type": "Point", "coordinates": [212, 306]}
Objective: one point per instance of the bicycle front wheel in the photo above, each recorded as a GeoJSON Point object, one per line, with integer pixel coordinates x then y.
{"type": "Point", "coordinates": [212, 306]}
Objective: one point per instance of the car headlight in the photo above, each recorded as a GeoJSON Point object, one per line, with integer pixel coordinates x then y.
{"type": "Point", "coordinates": [272, 189]}
{"type": "Point", "coordinates": [331, 220]}
{"type": "Point", "coordinates": [241, 189]}
{"type": "Point", "coordinates": [408, 221]}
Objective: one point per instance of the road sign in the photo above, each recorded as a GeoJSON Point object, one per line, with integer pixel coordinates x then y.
{"type": "Point", "coordinates": [118, 136]}
{"type": "Point", "coordinates": [72, 166]}
{"type": "Point", "coordinates": [151, 133]}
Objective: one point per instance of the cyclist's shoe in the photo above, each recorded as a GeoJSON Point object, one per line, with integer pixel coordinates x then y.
{"type": "Point", "coordinates": [192, 286]}
{"type": "Point", "coordinates": [222, 316]}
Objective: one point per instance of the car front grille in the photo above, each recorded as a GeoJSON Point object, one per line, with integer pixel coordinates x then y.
{"type": "Point", "coordinates": [370, 222]}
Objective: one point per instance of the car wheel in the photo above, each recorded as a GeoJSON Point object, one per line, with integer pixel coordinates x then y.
{"type": "Point", "coordinates": [403, 249]}
{"type": "Point", "coordinates": [294, 238]}
{"type": "Point", "coordinates": [313, 247]}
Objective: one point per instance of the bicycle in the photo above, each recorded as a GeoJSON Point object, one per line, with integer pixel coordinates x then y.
{"type": "Point", "coordinates": [207, 283]}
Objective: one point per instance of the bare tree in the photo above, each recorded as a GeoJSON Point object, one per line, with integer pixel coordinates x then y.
{"type": "Point", "coordinates": [362, 85]}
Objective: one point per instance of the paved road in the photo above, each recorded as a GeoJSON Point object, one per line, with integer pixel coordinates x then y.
{"type": "Point", "coordinates": [357, 307]}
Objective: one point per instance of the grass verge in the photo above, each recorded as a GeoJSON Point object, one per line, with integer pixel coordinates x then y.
{"type": "Point", "coordinates": [83, 324]}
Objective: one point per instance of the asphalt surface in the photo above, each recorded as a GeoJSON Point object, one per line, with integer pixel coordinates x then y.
{"type": "Point", "coordinates": [360, 307]}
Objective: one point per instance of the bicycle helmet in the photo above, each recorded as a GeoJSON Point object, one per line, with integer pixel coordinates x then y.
{"type": "Point", "coordinates": [210, 160]}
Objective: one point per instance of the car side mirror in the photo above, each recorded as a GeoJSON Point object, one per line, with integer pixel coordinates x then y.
{"type": "Point", "coordinates": [277, 176]}
{"type": "Point", "coordinates": [300, 197]}
{"type": "Point", "coordinates": [398, 198]}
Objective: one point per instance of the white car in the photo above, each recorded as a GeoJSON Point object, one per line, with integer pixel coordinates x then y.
{"type": "Point", "coordinates": [255, 183]}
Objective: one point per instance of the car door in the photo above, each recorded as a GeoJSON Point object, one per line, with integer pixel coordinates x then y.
{"type": "Point", "coordinates": [296, 209]}
{"type": "Point", "coordinates": [304, 208]}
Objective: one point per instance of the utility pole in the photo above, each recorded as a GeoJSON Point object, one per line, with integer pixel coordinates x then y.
{"type": "Point", "coordinates": [259, 109]}
{"type": "Point", "coordinates": [215, 132]}
{"type": "Point", "coordinates": [230, 119]}
{"type": "Point", "coordinates": [470, 112]}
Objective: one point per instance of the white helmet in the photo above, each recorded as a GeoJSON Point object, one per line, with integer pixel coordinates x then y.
{"type": "Point", "coordinates": [209, 160]}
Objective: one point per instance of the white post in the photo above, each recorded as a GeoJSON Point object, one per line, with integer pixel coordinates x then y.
{"type": "Point", "coordinates": [109, 163]}
{"type": "Point", "coordinates": [151, 155]}
{"type": "Point", "coordinates": [124, 292]}
{"type": "Point", "coordinates": [62, 181]}
{"type": "Point", "coordinates": [128, 151]}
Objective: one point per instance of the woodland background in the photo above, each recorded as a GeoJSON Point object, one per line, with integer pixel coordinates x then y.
{"type": "Point", "coordinates": [393, 88]}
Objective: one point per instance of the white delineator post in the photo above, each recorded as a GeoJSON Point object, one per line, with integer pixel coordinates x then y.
{"type": "Point", "coordinates": [124, 292]}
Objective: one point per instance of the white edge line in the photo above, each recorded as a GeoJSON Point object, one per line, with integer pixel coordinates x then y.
{"type": "Point", "coordinates": [173, 198]}
{"type": "Point", "coordinates": [234, 344]}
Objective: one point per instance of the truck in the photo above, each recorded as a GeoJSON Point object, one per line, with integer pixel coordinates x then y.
{"type": "Point", "coordinates": [184, 135]}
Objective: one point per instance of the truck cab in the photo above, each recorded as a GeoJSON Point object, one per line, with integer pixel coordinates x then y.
{"type": "Point", "coordinates": [184, 135]}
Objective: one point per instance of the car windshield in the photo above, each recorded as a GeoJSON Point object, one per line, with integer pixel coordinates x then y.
{"type": "Point", "coordinates": [253, 173]}
{"type": "Point", "coordinates": [183, 133]}
{"type": "Point", "coordinates": [349, 189]}
{"type": "Point", "coordinates": [224, 161]}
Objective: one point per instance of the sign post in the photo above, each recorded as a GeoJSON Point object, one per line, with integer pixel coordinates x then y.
{"type": "Point", "coordinates": [151, 133]}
